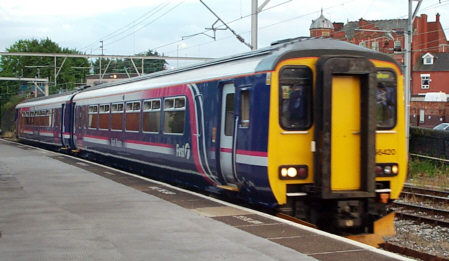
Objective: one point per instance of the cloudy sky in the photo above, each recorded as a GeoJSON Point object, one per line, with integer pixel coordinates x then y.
{"type": "Point", "coordinates": [177, 27]}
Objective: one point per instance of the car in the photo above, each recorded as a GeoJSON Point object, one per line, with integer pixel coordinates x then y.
{"type": "Point", "coordinates": [442, 126]}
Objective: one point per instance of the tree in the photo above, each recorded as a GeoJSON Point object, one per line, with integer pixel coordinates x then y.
{"type": "Point", "coordinates": [43, 67]}
{"type": "Point", "coordinates": [40, 67]}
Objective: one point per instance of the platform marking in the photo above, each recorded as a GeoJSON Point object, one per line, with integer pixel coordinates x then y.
{"type": "Point", "coordinates": [109, 173]}
{"type": "Point", "coordinates": [82, 164]}
{"type": "Point", "coordinates": [163, 191]}
{"type": "Point", "coordinates": [249, 220]}
{"type": "Point", "coordinates": [220, 211]}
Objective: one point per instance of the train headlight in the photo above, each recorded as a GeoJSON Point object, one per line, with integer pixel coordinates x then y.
{"type": "Point", "coordinates": [293, 172]}
{"type": "Point", "coordinates": [395, 169]}
{"type": "Point", "coordinates": [386, 169]}
{"type": "Point", "coordinates": [284, 172]}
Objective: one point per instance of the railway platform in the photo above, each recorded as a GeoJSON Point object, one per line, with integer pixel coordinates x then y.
{"type": "Point", "coordinates": [57, 207]}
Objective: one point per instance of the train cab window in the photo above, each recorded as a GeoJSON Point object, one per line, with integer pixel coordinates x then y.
{"type": "Point", "coordinates": [132, 116]}
{"type": "Point", "coordinates": [244, 108]}
{"type": "Point", "coordinates": [93, 116]}
{"type": "Point", "coordinates": [104, 117]}
{"type": "Point", "coordinates": [151, 115]}
{"type": "Point", "coordinates": [174, 115]}
{"type": "Point", "coordinates": [386, 100]}
{"type": "Point", "coordinates": [117, 116]}
{"type": "Point", "coordinates": [295, 101]}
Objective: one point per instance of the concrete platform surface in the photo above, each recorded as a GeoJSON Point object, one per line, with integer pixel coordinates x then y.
{"type": "Point", "coordinates": [57, 207]}
{"type": "Point", "coordinates": [50, 210]}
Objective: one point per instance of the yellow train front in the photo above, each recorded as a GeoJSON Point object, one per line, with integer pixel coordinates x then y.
{"type": "Point", "coordinates": [337, 147]}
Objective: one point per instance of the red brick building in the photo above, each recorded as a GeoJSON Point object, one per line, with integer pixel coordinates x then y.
{"type": "Point", "coordinates": [430, 56]}
{"type": "Point", "coordinates": [387, 36]}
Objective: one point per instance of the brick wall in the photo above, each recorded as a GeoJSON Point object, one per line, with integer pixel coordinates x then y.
{"type": "Point", "coordinates": [434, 113]}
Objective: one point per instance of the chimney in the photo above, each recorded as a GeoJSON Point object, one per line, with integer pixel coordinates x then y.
{"type": "Point", "coordinates": [424, 18]}
{"type": "Point", "coordinates": [437, 19]}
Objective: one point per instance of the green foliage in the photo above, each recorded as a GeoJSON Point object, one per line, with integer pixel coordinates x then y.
{"type": "Point", "coordinates": [428, 168]}
{"type": "Point", "coordinates": [43, 67]}
{"type": "Point", "coordinates": [10, 105]}
{"type": "Point", "coordinates": [424, 172]}
{"type": "Point", "coordinates": [126, 66]}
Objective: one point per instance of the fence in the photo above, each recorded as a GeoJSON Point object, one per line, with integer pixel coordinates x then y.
{"type": "Point", "coordinates": [429, 142]}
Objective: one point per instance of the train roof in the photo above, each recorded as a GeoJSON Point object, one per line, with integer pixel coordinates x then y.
{"type": "Point", "coordinates": [45, 100]}
{"type": "Point", "coordinates": [265, 59]}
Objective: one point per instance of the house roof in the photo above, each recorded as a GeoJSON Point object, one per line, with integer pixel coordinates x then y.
{"type": "Point", "coordinates": [387, 25]}
{"type": "Point", "coordinates": [440, 63]}
{"type": "Point", "coordinates": [321, 23]}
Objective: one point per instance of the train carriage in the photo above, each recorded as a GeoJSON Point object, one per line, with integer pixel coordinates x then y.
{"type": "Point", "coordinates": [45, 120]}
{"type": "Point", "coordinates": [312, 126]}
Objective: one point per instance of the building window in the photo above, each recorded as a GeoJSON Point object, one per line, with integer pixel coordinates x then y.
{"type": "Point", "coordinates": [397, 46]}
{"type": "Point", "coordinates": [375, 46]}
{"type": "Point", "coordinates": [427, 59]}
{"type": "Point", "coordinates": [362, 43]}
{"type": "Point", "coordinates": [421, 116]}
{"type": "Point", "coordinates": [425, 81]}
{"type": "Point", "coordinates": [151, 115]}
{"type": "Point", "coordinates": [174, 115]}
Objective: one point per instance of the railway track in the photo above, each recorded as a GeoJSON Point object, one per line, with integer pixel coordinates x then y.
{"type": "Point", "coordinates": [426, 205]}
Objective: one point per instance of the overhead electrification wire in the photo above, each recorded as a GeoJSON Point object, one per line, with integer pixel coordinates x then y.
{"type": "Point", "coordinates": [147, 24]}
{"type": "Point", "coordinates": [133, 24]}
{"type": "Point", "coordinates": [260, 28]}
{"type": "Point", "coordinates": [230, 22]}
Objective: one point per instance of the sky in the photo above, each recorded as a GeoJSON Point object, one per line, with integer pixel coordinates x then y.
{"type": "Point", "coordinates": [177, 27]}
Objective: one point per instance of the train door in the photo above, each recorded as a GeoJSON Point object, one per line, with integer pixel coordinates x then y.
{"type": "Point", "coordinates": [64, 142]}
{"type": "Point", "coordinates": [345, 133]}
{"type": "Point", "coordinates": [345, 126]}
{"type": "Point", "coordinates": [227, 141]}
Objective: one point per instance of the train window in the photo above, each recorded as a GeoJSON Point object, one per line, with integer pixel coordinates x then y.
{"type": "Point", "coordinates": [174, 115]}
{"type": "Point", "coordinates": [50, 118]}
{"type": "Point", "coordinates": [136, 106]}
{"type": "Point", "coordinates": [386, 100]}
{"type": "Point", "coordinates": [156, 104]}
{"type": "Point", "coordinates": [244, 108]}
{"type": "Point", "coordinates": [132, 116]}
{"type": "Point", "coordinates": [151, 115]}
{"type": "Point", "coordinates": [104, 117]}
{"type": "Point", "coordinates": [117, 107]}
{"type": "Point", "coordinates": [104, 108]}
{"type": "Point", "coordinates": [129, 106]}
{"type": "Point", "coordinates": [117, 116]}
{"type": "Point", "coordinates": [93, 116]}
{"type": "Point", "coordinates": [295, 97]}
{"type": "Point", "coordinates": [229, 114]}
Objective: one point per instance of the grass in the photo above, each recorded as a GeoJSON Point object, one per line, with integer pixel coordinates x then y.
{"type": "Point", "coordinates": [428, 172]}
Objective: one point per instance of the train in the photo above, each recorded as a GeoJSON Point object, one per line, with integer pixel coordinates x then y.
{"type": "Point", "coordinates": [313, 127]}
